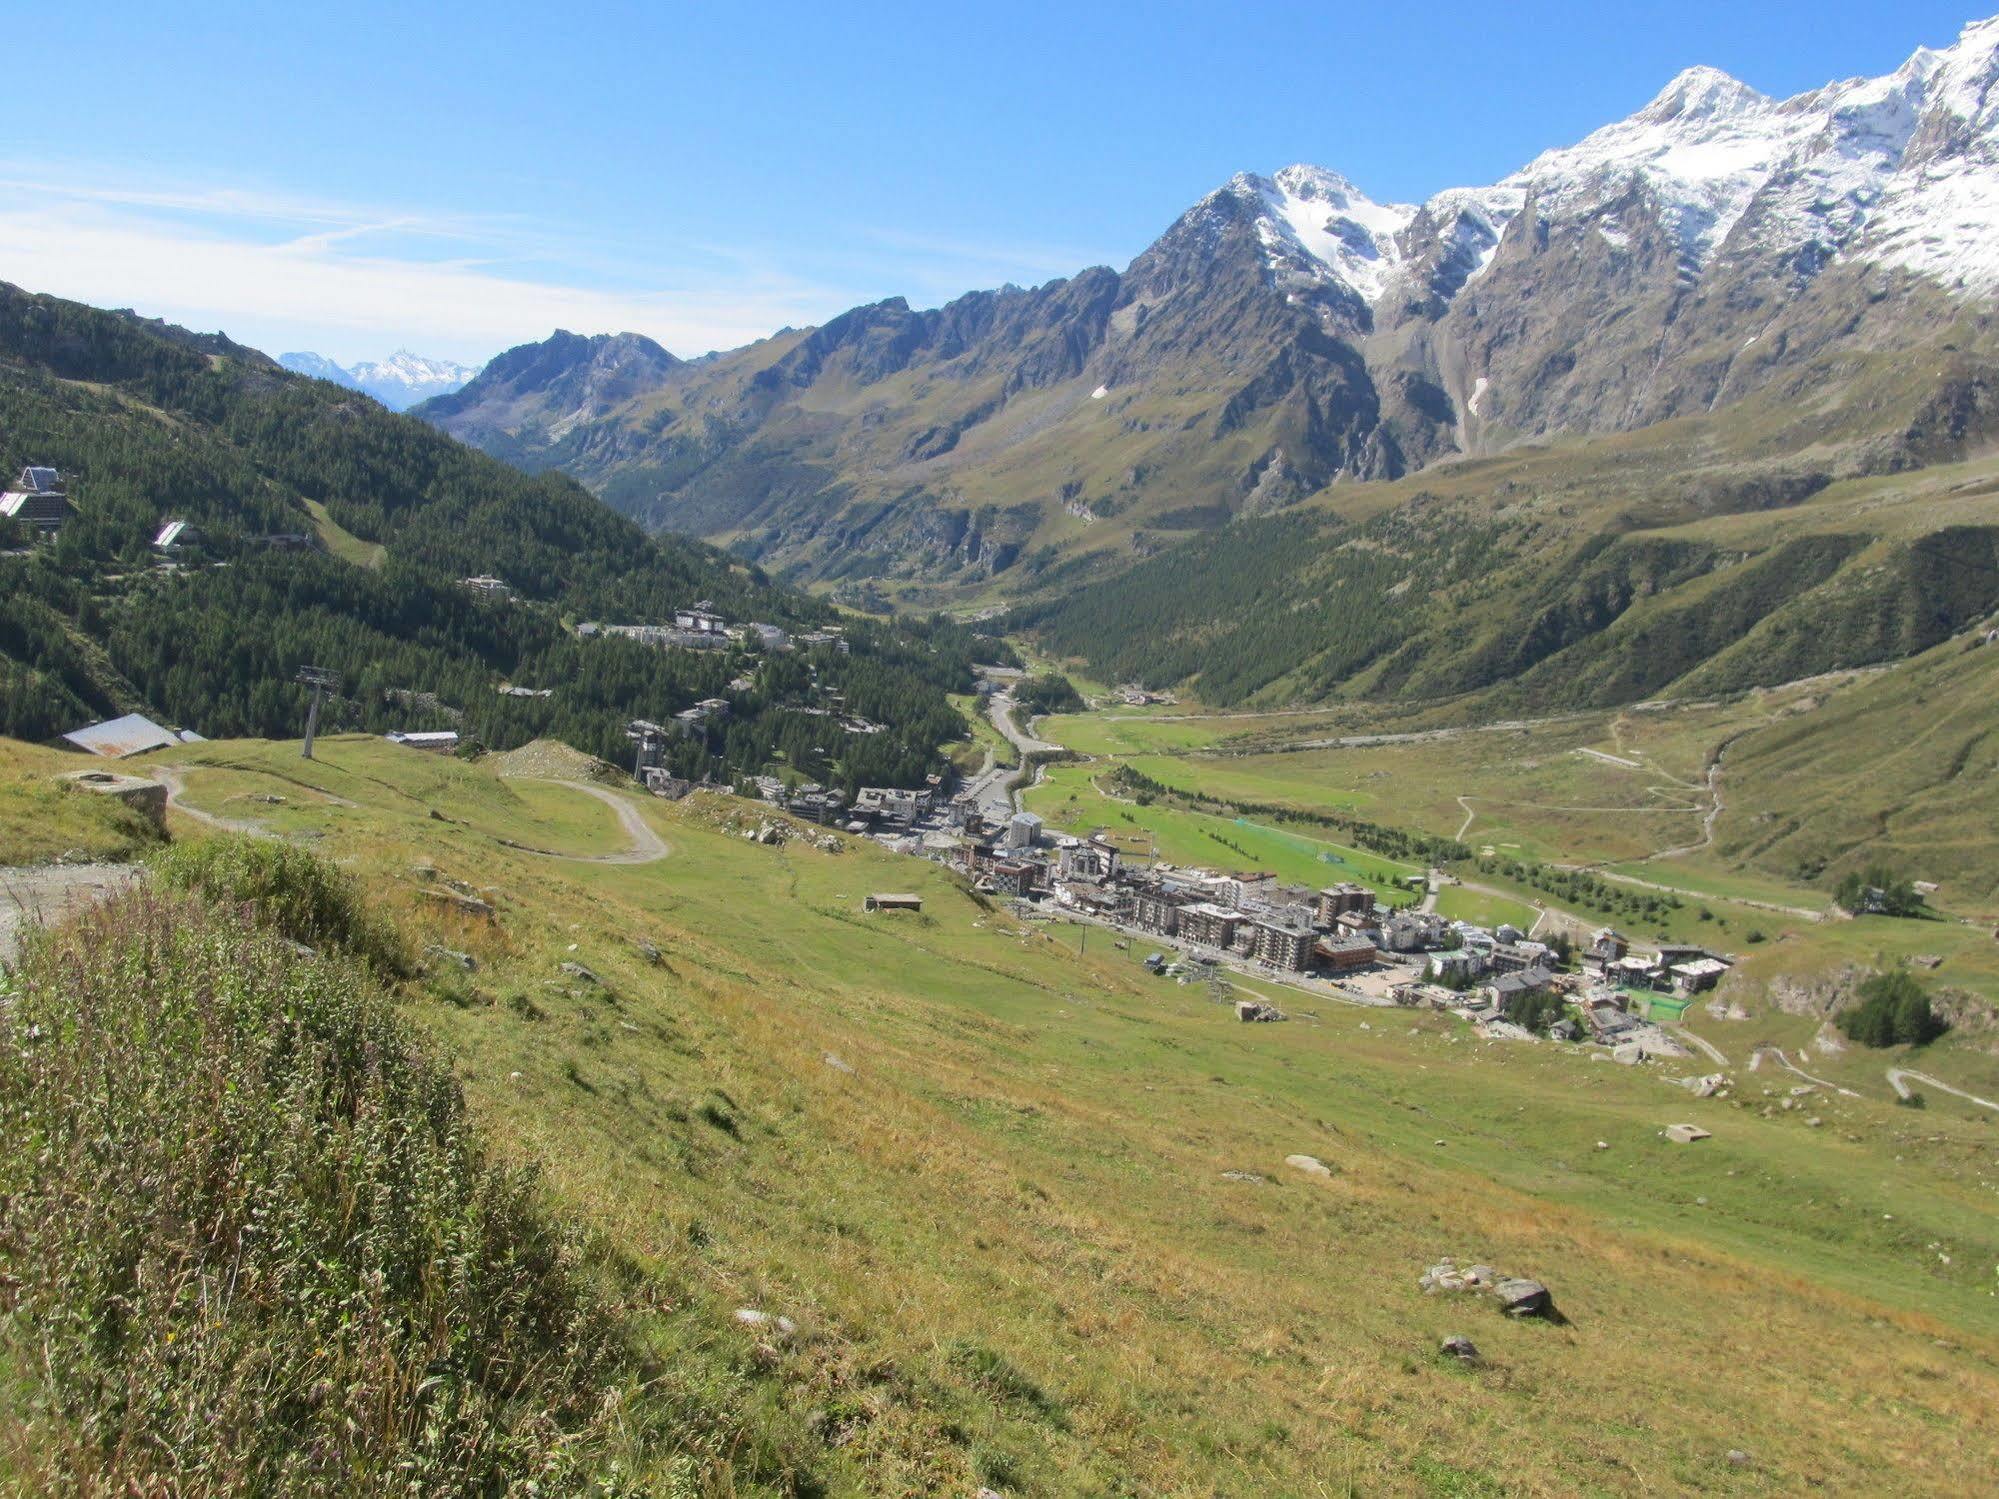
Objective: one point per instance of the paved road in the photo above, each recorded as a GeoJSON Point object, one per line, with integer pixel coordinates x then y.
{"type": "Point", "coordinates": [993, 790]}
{"type": "Point", "coordinates": [1001, 705]}
{"type": "Point", "coordinates": [35, 895]}
{"type": "Point", "coordinates": [1897, 1076]}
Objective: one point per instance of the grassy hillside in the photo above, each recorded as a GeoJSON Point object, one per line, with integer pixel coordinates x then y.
{"type": "Point", "coordinates": [984, 1177]}
{"type": "Point", "coordinates": [1896, 768]}
{"type": "Point", "coordinates": [256, 1246]}
{"type": "Point", "coordinates": [148, 424]}
{"type": "Point", "coordinates": [1566, 575]}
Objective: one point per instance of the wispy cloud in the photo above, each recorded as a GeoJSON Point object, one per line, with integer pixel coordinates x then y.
{"type": "Point", "coordinates": [285, 271]}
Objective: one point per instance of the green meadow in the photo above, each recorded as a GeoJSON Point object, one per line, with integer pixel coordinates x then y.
{"type": "Point", "coordinates": [983, 1174]}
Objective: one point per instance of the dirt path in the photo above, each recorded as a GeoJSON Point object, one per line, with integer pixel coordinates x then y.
{"type": "Point", "coordinates": [1700, 1043]}
{"type": "Point", "coordinates": [1897, 1076]}
{"type": "Point", "coordinates": [647, 846]}
{"type": "Point", "coordinates": [1788, 1065]}
{"type": "Point", "coordinates": [175, 780]}
{"type": "Point", "coordinates": [34, 895]}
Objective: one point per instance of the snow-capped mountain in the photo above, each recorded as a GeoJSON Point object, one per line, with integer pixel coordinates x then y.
{"type": "Point", "coordinates": [318, 367]}
{"type": "Point", "coordinates": [1901, 170]}
{"type": "Point", "coordinates": [1830, 257]}
{"type": "Point", "coordinates": [398, 382]}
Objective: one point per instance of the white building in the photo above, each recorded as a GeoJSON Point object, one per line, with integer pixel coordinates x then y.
{"type": "Point", "coordinates": [1023, 830]}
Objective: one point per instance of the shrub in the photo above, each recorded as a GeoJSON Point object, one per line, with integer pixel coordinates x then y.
{"type": "Point", "coordinates": [250, 1239]}
{"type": "Point", "coordinates": [288, 889]}
{"type": "Point", "coordinates": [1893, 1010]}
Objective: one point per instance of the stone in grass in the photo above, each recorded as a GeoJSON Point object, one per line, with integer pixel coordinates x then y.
{"type": "Point", "coordinates": [1520, 1297]}
{"type": "Point", "coordinates": [578, 971]}
{"type": "Point", "coordinates": [1311, 1165]}
{"type": "Point", "coordinates": [749, 1316]}
{"type": "Point", "coordinates": [1443, 1276]}
{"type": "Point", "coordinates": [1460, 1348]}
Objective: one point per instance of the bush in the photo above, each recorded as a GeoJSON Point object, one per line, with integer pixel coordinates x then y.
{"type": "Point", "coordinates": [288, 889]}
{"type": "Point", "coordinates": [251, 1242]}
{"type": "Point", "coordinates": [1893, 1010]}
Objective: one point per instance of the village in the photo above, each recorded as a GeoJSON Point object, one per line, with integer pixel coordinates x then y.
{"type": "Point", "coordinates": [1344, 942]}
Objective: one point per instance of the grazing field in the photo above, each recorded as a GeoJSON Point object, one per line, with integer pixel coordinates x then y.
{"type": "Point", "coordinates": [1071, 800]}
{"type": "Point", "coordinates": [984, 1176]}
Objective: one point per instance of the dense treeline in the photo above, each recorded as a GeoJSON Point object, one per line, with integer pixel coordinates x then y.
{"type": "Point", "coordinates": [1578, 887]}
{"type": "Point", "coordinates": [1047, 692]}
{"type": "Point", "coordinates": [171, 425]}
{"type": "Point", "coordinates": [1265, 599]}
{"type": "Point", "coordinates": [1438, 598]}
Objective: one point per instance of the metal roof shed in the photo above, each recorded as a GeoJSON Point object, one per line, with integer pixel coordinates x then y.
{"type": "Point", "coordinates": [115, 738]}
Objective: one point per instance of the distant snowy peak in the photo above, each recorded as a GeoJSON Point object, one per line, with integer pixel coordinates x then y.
{"type": "Point", "coordinates": [403, 379]}
{"type": "Point", "coordinates": [398, 382]}
{"type": "Point", "coordinates": [317, 367]}
{"type": "Point", "coordinates": [1316, 223]}
{"type": "Point", "coordinates": [1901, 170]}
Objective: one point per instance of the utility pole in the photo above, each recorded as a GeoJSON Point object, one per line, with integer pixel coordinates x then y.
{"type": "Point", "coordinates": [321, 681]}
{"type": "Point", "coordinates": [647, 739]}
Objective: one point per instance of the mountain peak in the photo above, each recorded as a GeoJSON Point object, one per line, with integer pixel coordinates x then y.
{"type": "Point", "coordinates": [1316, 226]}
{"type": "Point", "coordinates": [1703, 93]}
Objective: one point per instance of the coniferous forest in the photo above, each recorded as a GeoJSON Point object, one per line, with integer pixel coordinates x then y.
{"type": "Point", "coordinates": [148, 423]}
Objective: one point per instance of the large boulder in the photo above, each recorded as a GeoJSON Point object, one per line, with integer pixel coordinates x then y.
{"type": "Point", "coordinates": [1519, 1297]}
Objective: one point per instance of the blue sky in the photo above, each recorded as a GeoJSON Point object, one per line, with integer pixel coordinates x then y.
{"type": "Point", "coordinates": [459, 178]}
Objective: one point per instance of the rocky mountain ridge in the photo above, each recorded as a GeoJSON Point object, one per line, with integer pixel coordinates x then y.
{"type": "Point", "coordinates": [1288, 333]}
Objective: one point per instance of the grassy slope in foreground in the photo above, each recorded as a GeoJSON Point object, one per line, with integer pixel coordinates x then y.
{"type": "Point", "coordinates": [986, 1179]}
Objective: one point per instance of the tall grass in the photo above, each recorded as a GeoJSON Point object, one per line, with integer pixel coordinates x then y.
{"type": "Point", "coordinates": [250, 1243]}
{"type": "Point", "coordinates": [288, 889]}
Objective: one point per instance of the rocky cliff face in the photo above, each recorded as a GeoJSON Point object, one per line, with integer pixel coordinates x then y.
{"type": "Point", "coordinates": [1835, 251]}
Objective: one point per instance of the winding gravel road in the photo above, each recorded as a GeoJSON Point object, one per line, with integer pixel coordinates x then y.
{"type": "Point", "coordinates": [647, 846]}
{"type": "Point", "coordinates": [1896, 1076]}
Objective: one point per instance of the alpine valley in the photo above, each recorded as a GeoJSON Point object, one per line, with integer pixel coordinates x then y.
{"type": "Point", "coordinates": [1716, 350]}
